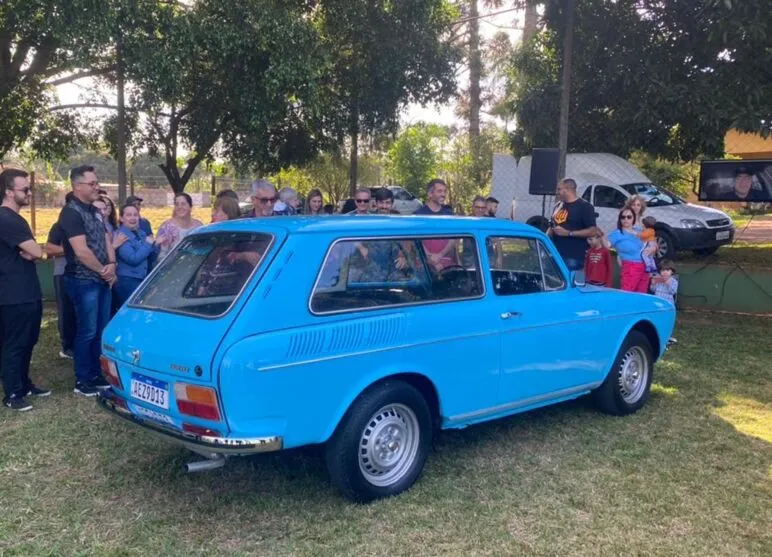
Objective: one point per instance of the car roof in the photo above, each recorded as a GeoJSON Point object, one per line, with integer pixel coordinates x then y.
{"type": "Point", "coordinates": [369, 224]}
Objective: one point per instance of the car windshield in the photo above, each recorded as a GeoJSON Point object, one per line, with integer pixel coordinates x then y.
{"type": "Point", "coordinates": [205, 274]}
{"type": "Point", "coordinates": [653, 195]}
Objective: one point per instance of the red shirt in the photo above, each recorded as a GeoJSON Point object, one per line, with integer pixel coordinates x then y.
{"type": "Point", "coordinates": [597, 267]}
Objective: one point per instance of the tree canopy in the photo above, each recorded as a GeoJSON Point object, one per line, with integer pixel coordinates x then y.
{"type": "Point", "coordinates": [668, 77]}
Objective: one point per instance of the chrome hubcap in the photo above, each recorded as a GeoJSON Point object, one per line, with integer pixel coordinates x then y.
{"type": "Point", "coordinates": [633, 375]}
{"type": "Point", "coordinates": [388, 445]}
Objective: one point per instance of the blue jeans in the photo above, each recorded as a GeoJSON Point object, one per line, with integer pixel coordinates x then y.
{"type": "Point", "coordinates": [124, 288]}
{"type": "Point", "coordinates": [92, 312]}
{"type": "Point", "coordinates": [574, 264]}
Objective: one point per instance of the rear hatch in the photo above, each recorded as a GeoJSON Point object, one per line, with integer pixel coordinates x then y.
{"type": "Point", "coordinates": [176, 320]}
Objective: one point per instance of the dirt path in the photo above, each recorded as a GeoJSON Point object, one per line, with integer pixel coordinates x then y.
{"type": "Point", "coordinates": [759, 231]}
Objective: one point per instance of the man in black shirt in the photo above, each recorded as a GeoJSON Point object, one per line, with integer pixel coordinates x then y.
{"type": "Point", "coordinates": [436, 192]}
{"type": "Point", "coordinates": [88, 276]}
{"type": "Point", "coordinates": [21, 306]}
{"type": "Point", "coordinates": [572, 223]}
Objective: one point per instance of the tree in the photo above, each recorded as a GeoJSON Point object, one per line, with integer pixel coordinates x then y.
{"type": "Point", "coordinates": [416, 156]}
{"type": "Point", "coordinates": [383, 55]}
{"type": "Point", "coordinates": [669, 78]}
{"type": "Point", "coordinates": [45, 43]}
{"type": "Point", "coordinates": [234, 79]}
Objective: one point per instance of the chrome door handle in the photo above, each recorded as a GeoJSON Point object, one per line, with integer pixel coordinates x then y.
{"type": "Point", "coordinates": [510, 314]}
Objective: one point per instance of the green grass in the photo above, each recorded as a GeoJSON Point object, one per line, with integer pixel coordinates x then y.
{"type": "Point", "coordinates": [740, 253]}
{"type": "Point", "coordinates": [688, 475]}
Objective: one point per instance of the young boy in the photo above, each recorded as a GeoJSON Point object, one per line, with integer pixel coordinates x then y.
{"type": "Point", "coordinates": [665, 285]}
{"type": "Point", "coordinates": [597, 262]}
{"type": "Point", "coordinates": [649, 238]}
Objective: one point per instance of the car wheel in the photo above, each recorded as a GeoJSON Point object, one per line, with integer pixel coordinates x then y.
{"type": "Point", "coordinates": [627, 386]}
{"type": "Point", "coordinates": [380, 446]}
{"type": "Point", "coordinates": [704, 252]}
{"type": "Point", "coordinates": [665, 245]}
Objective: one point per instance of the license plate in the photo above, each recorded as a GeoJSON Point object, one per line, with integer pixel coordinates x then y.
{"type": "Point", "coordinates": [150, 390]}
{"type": "Point", "coordinates": [723, 235]}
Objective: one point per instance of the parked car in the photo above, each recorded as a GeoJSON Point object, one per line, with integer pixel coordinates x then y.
{"type": "Point", "coordinates": [607, 181]}
{"type": "Point", "coordinates": [265, 334]}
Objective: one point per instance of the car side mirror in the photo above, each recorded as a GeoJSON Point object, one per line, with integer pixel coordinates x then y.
{"type": "Point", "coordinates": [578, 278]}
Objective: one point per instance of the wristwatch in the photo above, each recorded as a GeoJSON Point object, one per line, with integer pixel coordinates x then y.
{"type": "Point", "coordinates": [570, 233]}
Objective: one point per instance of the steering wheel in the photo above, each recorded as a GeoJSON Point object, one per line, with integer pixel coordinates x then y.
{"type": "Point", "coordinates": [441, 273]}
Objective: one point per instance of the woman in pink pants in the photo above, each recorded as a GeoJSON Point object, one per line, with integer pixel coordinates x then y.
{"type": "Point", "coordinates": [628, 246]}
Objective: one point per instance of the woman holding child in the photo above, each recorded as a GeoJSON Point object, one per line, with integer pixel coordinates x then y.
{"type": "Point", "coordinates": [625, 240]}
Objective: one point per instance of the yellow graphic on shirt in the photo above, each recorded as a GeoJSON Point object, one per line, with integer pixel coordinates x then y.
{"type": "Point", "coordinates": [560, 216]}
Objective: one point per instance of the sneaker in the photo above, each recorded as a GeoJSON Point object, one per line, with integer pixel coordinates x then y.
{"type": "Point", "coordinates": [67, 354]}
{"type": "Point", "coordinates": [672, 340]}
{"type": "Point", "coordinates": [38, 391]}
{"type": "Point", "coordinates": [17, 403]}
{"type": "Point", "coordinates": [100, 383]}
{"type": "Point", "coordinates": [85, 389]}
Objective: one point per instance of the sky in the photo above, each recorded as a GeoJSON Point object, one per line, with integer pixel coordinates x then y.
{"type": "Point", "coordinates": [444, 114]}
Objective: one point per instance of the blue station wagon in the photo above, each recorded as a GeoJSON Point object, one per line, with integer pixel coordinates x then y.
{"type": "Point", "coordinates": [367, 335]}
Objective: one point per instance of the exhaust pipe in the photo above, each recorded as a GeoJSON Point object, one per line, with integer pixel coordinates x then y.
{"type": "Point", "coordinates": [204, 465]}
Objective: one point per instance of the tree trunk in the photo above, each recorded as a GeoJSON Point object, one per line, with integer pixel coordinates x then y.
{"type": "Point", "coordinates": [121, 124]}
{"type": "Point", "coordinates": [529, 21]}
{"type": "Point", "coordinates": [354, 157]}
{"type": "Point", "coordinates": [565, 90]}
{"type": "Point", "coordinates": [475, 76]}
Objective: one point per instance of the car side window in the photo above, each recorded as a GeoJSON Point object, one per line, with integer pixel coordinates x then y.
{"type": "Point", "coordinates": [522, 266]}
{"type": "Point", "coordinates": [587, 193]}
{"type": "Point", "coordinates": [608, 197]}
{"type": "Point", "coordinates": [371, 273]}
{"type": "Point", "coordinates": [553, 278]}
{"type": "Point", "coordinates": [401, 195]}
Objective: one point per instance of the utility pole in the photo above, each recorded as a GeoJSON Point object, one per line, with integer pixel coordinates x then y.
{"type": "Point", "coordinates": [565, 89]}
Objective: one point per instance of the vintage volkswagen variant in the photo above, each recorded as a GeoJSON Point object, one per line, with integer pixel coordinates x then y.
{"type": "Point", "coordinates": [368, 334]}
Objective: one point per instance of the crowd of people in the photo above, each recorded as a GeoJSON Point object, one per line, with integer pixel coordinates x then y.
{"type": "Point", "coordinates": [101, 255]}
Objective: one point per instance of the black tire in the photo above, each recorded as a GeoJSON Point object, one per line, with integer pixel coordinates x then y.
{"type": "Point", "coordinates": [620, 394]}
{"type": "Point", "coordinates": [391, 412]}
{"type": "Point", "coordinates": [704, 252]}
{"type": "Point", "coordinates": [666, 245]}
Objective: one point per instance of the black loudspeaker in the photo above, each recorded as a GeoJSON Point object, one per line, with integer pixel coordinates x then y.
{"type": "Point", "coordinates": [544, 171]}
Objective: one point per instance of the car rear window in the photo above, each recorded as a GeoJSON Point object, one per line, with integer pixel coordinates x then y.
{"type": "Point", "coordinates": [205, 274]}
{"type": "Point", "coordinates": [378, 272]}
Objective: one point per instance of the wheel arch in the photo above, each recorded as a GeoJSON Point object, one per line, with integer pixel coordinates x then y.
{"type": "Point", "coordinates": [417, 380]}
{"type": "Point", "coordinates": [648, 329]}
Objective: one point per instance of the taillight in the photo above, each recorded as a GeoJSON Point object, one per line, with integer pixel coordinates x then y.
{"type": "Point", "coordinates": [200, 402]}
{"type": "Point", "coordinates": [110, 372]}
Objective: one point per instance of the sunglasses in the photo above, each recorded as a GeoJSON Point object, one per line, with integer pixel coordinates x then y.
{"type": "Point", "coordinates": [25, 190]}
{"type": "Point", "coordinates": [89, 184]}
{"type": "Point", "coordinates": [362, 201]}
{"type": "Point", "coordinates": [266, 199]}
{"type": "Point", "coordinates": [626, 217]}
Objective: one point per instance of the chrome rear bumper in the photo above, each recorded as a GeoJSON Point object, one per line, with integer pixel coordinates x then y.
{"type": "Point", "coordinates": [200, 444]}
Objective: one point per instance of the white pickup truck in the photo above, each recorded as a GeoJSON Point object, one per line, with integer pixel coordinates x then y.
{"type": "Point", "coordinates": [606, 181]}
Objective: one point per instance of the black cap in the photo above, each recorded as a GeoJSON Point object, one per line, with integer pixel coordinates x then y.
{"type": "Point", "coordinates": [742, 170]}
{"type": "Point", "coordinates": [132, 199]}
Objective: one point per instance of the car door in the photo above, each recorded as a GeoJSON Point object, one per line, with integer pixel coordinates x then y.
{"type": "Point", "coordinates": [550, 331]}
{"type": "Point", "coordinates": [608, 201]}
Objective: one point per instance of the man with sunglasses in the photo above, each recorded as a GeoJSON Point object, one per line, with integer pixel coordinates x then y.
{"type": "Point", "coordinates": [21, 306]}
{"type": "Point", "coordinates": [362, 200]}
{"type": "Point", "coordinates": [88, 276]}
{"type": "Point", "coordinates": [263, 199]}
{"type": "Point", "coordinates": [573, 221]}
